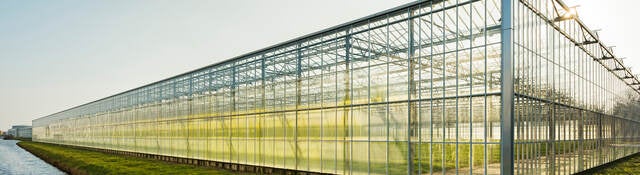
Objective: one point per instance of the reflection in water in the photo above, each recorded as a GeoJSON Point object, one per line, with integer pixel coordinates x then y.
{"type": "Point", "coordinates": [15, 160]}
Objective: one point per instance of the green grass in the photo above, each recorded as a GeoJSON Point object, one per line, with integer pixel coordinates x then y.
{"type": "Point", "coordinates": [76, 161]}
{"type": "Point", "coordinates": [629, 166]}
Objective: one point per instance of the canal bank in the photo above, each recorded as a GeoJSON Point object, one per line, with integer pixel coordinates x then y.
{"type": "Point", "coordinates": [80, 161]}
{"type": "Point", "coordinates": [16, 161]}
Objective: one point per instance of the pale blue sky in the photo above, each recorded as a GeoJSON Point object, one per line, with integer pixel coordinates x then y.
{"type": "Point", "coordinates": [55, 55]}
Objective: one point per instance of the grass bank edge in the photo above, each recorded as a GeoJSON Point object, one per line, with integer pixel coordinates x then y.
{"type": "Point", "coordinates": [42, 154]}
{"type": "Point", "coordinates": [81, 162]}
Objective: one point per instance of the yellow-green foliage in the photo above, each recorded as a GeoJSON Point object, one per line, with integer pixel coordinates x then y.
{"type": "Point", "coordinates": [76, 161]}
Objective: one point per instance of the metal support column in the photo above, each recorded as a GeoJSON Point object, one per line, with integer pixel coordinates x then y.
{"type": "Point", "coordinates": [188, 124]}
{"type": "Point", "coordinates": [413, 111]}
{"type": "Point", "coordinates": [347, 104]}
{"type": "Point", "coordinates": [506, 87]}
{"type": "Point", "coordinates": [232, 90]}
{"type": "Point", "coordinates": [298, 102]}
{"type": "Point", "coordinates": [264, 108]}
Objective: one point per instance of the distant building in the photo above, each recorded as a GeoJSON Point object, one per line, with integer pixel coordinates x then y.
{"type": "Point", "coordinates": [11, 132]}
{"type": "Point", "coordinates": [22, 131]}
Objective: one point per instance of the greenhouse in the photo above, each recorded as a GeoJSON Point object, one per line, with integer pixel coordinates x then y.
{"type": "Point", "coordinates": [429, 87]}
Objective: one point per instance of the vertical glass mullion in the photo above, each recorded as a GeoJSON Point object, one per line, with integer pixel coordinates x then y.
{"type": "Point", "coordinates": [443, 101]}
{"type": "Point", "coordinates": [485, 84]}
{"type": "Point", "coordinates": [419, 92]}
{"type": "Point", "coordinates": [431, 52]}
{"type": "Point", "coordinates": [471, 84]}
{"type": "Point", "coordinates": [386, 84]}
{"type": "Point", "coordinates": [369, 98]}
{"type": "Point", "coordinates": [457, 95]}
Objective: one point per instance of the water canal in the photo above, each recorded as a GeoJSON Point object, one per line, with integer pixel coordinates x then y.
{"type": "Point", "coordinates": [16, 161]}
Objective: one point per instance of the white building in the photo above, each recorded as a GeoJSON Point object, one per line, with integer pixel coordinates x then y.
{"type": "Point", "coordinates": [22, 131]}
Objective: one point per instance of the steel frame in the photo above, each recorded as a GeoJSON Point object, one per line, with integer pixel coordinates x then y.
{"type": "Point", "coordinates": [426, 55]}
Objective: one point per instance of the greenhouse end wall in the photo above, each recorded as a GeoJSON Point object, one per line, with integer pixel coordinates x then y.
{"type": "Point", "coordinates": [412, 90]}
{"type": "Point", "coordinates": [576, 105]}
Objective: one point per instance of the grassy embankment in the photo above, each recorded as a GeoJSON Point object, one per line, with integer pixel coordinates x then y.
{"type": "Point", "coordinates": [76, 161]}
{"type": "Point", "coordinates": [629, 166]}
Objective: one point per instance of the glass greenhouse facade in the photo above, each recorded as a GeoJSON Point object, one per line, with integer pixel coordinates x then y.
{"type": "Point", "coordinates": [430, 87]}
